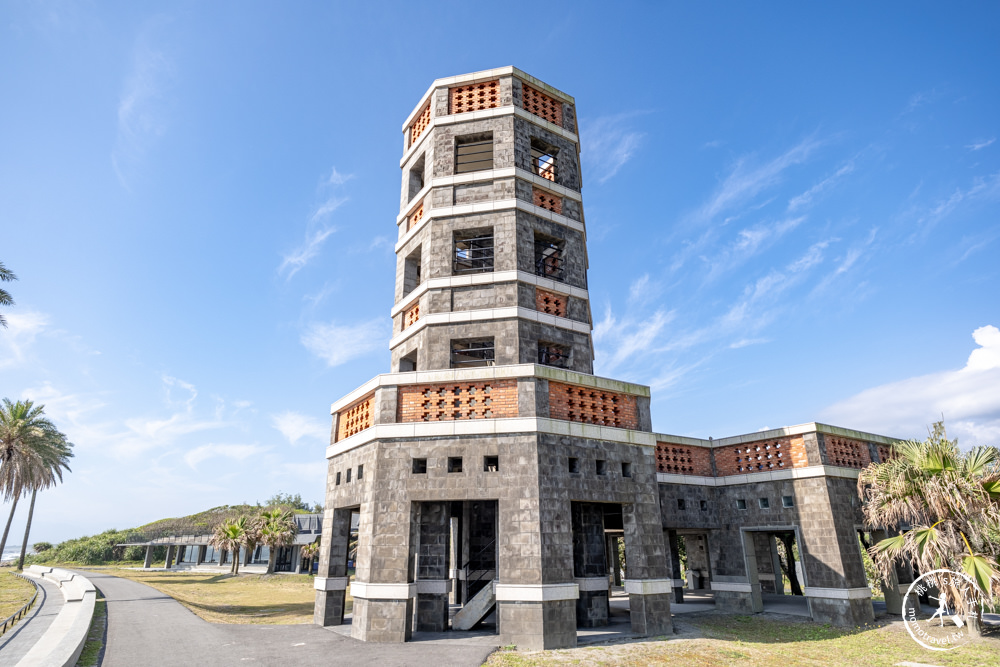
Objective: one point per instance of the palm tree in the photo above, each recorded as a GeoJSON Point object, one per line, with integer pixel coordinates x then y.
{"type": "Point", "coordinates": [309, 553]}
{"type": "Point", "coordinates": [277, 529]}
{"type": "Point", "coordinates": [948, 505]}
{"type": "Point", "coordinates": [228, 536]}
{"type": "Point", "coordinates": [6, 276]}
{"type": "Point", "coordinates": [43, 472]}
{"type": "Point", "coordinates": [32, 452]}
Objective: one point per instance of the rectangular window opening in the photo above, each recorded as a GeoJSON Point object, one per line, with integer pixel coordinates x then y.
{"type": "Point", "coordinates": [491, 463]}
{"type": "Point", "coordinates": [361, 471]}
{"type": "Point", "coordinates": [472, 353]}
{"type": "Point", "coordinates": [703, 505]}
{"type": "Point", "coordinates": [681, 504]}
{"type": "Point", "coordinates": [474, 153]}
{"type": "Point", "coordinates": [543, 159]}
{"type": "Point", "coordinates": [347, 478]}
{"type": "Point", "coordinates": [574, 464]}
{"type": "Point", "coordinates": [419, 466]}
{"type": "Point", "coordinates": [454, 464]}
{"type": "Point", "coordinates": [416, 179]}
{"type": "Point", "coordinates": [764, 503]}
{"type": "Point", "coordinates": [337, 483]}
{"type": "Point", "coordinates": [602, 467]}
{"type": "Point", "coordinates": [787, 501]}
{"type": "Point", "coordinates": [408, 364]}
{"type": "Point", "coordinates": [741, 503]}
{"type": "Point", "coordinates": [412, 271]}
{"type": "Point", "coordinates": [473, 251]}
{"type": "Point", "coordinates": [549, 258]}
{"type": "Point", "coordinates": [550, 354]}
{"type": "Point", "coordinates": [626, 469]}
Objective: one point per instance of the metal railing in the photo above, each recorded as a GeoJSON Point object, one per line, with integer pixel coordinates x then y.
{"type": "Point", "coordinates": [486, 574]}
{"type": "Point", "coordinates": [473, 255]}
{"type": "Point", "coordinates": [551, 355]}
{"type": "Point", "coordinates": [549, 261]}
{"type": "Point", "coordinates": [11, 620]}
{"type": "Point", "coordinates": [543, 164]}
{"type": "Point", "coordinates": [474, 156]}
{"type": "Point", "coordinates": [473, 354]}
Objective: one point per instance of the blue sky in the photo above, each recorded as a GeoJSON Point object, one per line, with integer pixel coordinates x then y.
{"type": "Point", "coordinates": [792, 214]}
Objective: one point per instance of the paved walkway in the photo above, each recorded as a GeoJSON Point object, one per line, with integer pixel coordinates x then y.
{"type": "Point", "coordinates": [146, 626]}
{"type": "Point", "coordinates": [16, 642]}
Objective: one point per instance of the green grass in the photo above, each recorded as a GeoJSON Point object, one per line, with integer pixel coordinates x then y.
{"type": "Point", "coordinates": [716, 639]}
{"type": "Point", "coordinates": [91, 653]}
{"type": "Point", "coordinates": [14, 592]}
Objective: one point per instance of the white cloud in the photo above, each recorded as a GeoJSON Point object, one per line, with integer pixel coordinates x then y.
{"type": "Point", "coordinates": [336, 178]}
{"type": "Point", "coordinates": [298, 258]}
{"type": "Point", "coordinates": [19, 336]}
{"type": "Point", "coordinates": [609, 144]}
{"type": "Point", "coordinates": [806, 197]}
{"type": "Point", "coordinates": [981, 188]}
{"type": "Point", "coordinates": [337, 344]}
{"type": "Point", "coordinates": [980, 144]}
{"type": "Point", "coordinates": [748, 243]}
{"type": "Point", "coordinates": [848, 261]}
{"type": "Point", "coordinates": [327, 207]}
{"type": "Point", "coordinates": [235, 452]}
{"type": "Point", "coordinates": [295, 426]}
{"type": "Point", "coordinates": [968, 398]}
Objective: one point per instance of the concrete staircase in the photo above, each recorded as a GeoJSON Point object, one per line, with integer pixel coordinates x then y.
{"type": "Point", "coordinates": [476, 609]}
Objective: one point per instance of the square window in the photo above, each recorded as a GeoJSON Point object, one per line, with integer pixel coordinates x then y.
{"type": "Point", "coordinates": [347, 479]}
{"type": "Point", "coordinates": [681, 504]}
{"type": "Point", "coordinates": [419, 466]}
{"type": "Point", "coordinates": [741, 504]}
{"type": "Point", "coordinates": [361, 471]}
{"type": "Point", "coordinates": [550, 354]}
{"type": "Point", "coordinates": [549, 252]}
{"type": "Point", "coordinates": [491, 463]}
{"type": "Point", "coordinates": [602, 467]}
{"type": "Point", "coordinates": [473, 251]}
{"type": "Point", "coordinates": [574, 464]}
{"type": "Point", "coordinates": [474, 152]}
{"type": "Point", "coordinates": [454, 464]}
{"type": "Point", "coordinates": [472, 353]}
{"type": "Point", "coordinates": [626, 469]}
{"type": "Point", "coordinates": [337, 483]}
{"type": "Point", "coordinates": [764, 503]}
{"type": "Point", "coordinates": [787, 501]}
{"type": "Point", "coordinates": [703, 505]}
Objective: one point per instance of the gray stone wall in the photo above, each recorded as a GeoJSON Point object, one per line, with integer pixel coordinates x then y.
{"type": "Point", "coordinates": [567, 164]}
{"type": "Point", "coordinates": [574, 249]}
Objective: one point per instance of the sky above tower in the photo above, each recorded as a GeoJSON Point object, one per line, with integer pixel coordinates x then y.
{"type": "Point", "coordinates": [792, 216]}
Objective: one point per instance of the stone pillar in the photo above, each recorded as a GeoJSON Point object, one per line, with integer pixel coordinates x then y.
{"type": "Point", "coordinates": [779, 576]}
{"type": "Point", "coordinates": [753, 579]}
{"type": "Point", "coordinates": [432, 566]}
{"type": "Point", "coordinates": [331, 580]}
{"type": "Point", "coordinates": [149, 556]}
{"type": "Point", "coordinates": [589, 566]}
{"type": "Point", "coordinates": [170, 557]}
{"type": "Point", "coordinates": [765, 566]}
{"type": "Point", "coordinates": [454, 557]}
{"type": "Point", "coordinates": [616, 563]}
{"type": "Point", "coordinates": [648, 585]}
{"type": "Point", "coordinates": [297, 559]}
{"type": "Point", "coordinates": [890, 587]}
{"type": "Point", "coordinates": [202, 553]}
{"type": "Point", "coordinates": [180, 554]}
{"type": "Point", "coordinates": [673, 543]}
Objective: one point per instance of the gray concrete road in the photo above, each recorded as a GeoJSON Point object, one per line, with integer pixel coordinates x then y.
{"type": "Point", "coordinates": [146, 627]}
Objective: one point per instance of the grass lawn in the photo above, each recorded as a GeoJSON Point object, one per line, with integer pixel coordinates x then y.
{"type": "Point", "coordinates": [716, 639]}
{"type": "Point", "coordinates": [14, 592]}
{"type": "Point", "coordinates": [277, 599]}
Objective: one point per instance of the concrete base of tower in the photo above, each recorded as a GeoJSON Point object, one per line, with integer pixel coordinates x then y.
{"type": "Point", "coordinates": [386, 621]}
{"type": "Point", "coordinates": [534, 626]}
{"type": "Point", "coordinates": [432, 611]}
{"type": "Point", "coordinates": [649, 606]}
{"type": "Point", "coordinates": [592, 608]}
{"type": "Point", "coordinates": [735, 602]}
{"type": "Point", "coordinates": [844, 613]}
{"type": "Point", "coordinates": [331, 600]}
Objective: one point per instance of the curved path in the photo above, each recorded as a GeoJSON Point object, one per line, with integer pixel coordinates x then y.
{"type": "Point", "coordinates": [146, 626]}
{"type": "Point", "coordinates": [20, 639]}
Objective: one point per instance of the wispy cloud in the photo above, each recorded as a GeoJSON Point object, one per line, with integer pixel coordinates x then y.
{"type": "Point", "coordinates": [337, 178]}
{"type": "Point", "coordinates": [980, 144]}
{"type": "Point", "coordinates": [295, 426]}
{"type": "Point", "coordinates": [16, 341]}
{"type": "Point", "coordinates": [851, 258]}
{"type": "Point", "coordinates": [807, 197]}
{"type": "Point", "coordinates": [981, 188]}
{"type": "Point", "coordinates": [142, 113]}
{"type": "Point", "coordinates": [748, 243]}
{"type": "Point", "coordinates": [969, 399]}
{"type": "Point", "coordinates": [235, 452]}
{"type": "Point", "coordinates": [318, 230]}
{"type": "Point", "coordinates": [337, 344]}
{"type": "Point", "coordinates": [298, 258]}
{"type": "Point", "coordinates": [609, 142]}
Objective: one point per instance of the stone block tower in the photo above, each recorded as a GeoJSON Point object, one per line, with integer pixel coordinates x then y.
{"type": "Point", "coordinates": [490, 468]}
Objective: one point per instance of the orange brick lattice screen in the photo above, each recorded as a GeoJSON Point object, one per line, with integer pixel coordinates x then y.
{"type": "Point", "coordinates": [355, 418]}
{"type": "Point", "coordinates": [683, 460]}
{"type": "Point", "coordinates": [420, 124]}
{"type": "Point", "coordinates": [411, 315]}
{"type": "Point", "coordinates": [415, 217]}
{"type": "Point", "coordinates": [542, 105]}
{"type": "Point", "coordinates": [549, 302]}
{"type": "Point", "coordinates": [761, 456]}
{"type": "Point", "coordinates": [476, 97]}
{"type": "Point", "coordinates": [885, 453]}
{"type": "Point", "coordinates": [847, 453]}
{"type": "Point", "coordinates": [592, 406]}
{"type": "Point", "coordinates": [448, 402]}
{"type": "Point", "coordinates": [546, 200]}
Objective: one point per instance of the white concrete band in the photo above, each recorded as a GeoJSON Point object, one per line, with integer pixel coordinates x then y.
{"type": "Point", "coordinates": [731, 587]}
{"type": "Point", "coordinates": [759, 436]}
{"type": "Point", "coordinates": [838, 593]}
{"type": "Point", "coordinates": [648, 586]}
{"type": "Point", "coordinates": [466, 316]}
{"type": "Point", "coordinates": [331, 583]}
{"type": "Point", "coordinates": [434, 586]}
{"type": "Point", "coordinates": [536, 592]}
{"type": "Point", "coordinates": [592, 584]}
{"type": "Point", "coordinates": [754, 477]}
{"type": "Point", "coordinates": [368, 591]}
